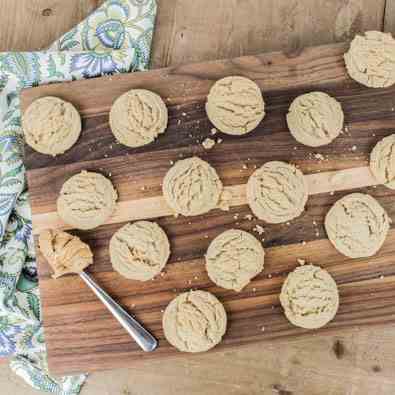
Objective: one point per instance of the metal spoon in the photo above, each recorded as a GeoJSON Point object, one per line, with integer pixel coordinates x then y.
{"type": "Point", "coordinates": [142, 337]}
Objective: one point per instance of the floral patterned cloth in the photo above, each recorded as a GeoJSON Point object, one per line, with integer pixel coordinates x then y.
{"type": "Point", "coordinates": [115, 38]}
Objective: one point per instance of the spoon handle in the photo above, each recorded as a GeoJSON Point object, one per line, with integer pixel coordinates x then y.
{"type": "Point", "coordinates": [142, 337]}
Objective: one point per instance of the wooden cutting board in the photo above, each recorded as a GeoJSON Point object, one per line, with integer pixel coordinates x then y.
{"type": "Point", "coordinates": [81, 335]}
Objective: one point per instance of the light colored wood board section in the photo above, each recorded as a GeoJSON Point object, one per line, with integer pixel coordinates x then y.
{"type": "Point", "coordinates": [389, 18]}
{"type": "Point", "coordinates": [190, 31]}
{"type": "Point", "coordinates": [156, 207]}
{"type": "Point", "coordinates": [77, 324]}
{"type": "Point", "coordinates": [37, 23]}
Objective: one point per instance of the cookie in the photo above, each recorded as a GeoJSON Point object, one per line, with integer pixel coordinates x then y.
{"type": "Point", "coordinates": [139, 251]}
{"type": "Point", "coordinates": [315, 119]}
{"type": "Point", "coordinates": [192, 187]}
{"type": "Point", "coordinates": [382, 161]}
{"type": "Point", "coordinates": [309, 297]}
{"type": "Point", "coordinates": [277, 192]}
{"type": "Point", "coordinates": [371, 59]}
{"type": "Point", "coordinates": [194, 321]}
{"type": "Point", "coordinates": [357, 225]}
{"type": "Point", "coordinates": [65, 253]}
{"type": "Point", "coordinates": [51, 125]}
{"type": "Point", "coordinates": [138, 117]}
{"type": "Point", "coordinates": [235, 105]}
{"type": "Point", "coordinates": [86, 200]}
{"type": "Point", "coordinates": [234, 258]}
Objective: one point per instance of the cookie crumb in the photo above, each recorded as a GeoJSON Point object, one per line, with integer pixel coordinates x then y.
{"type": "Point", "coordinates": [208, 143]}
{"type": "Point", "coordinates": [319, 156]}
{"type": "Point", "coordinates": [219, 141]}
{"type": "Point", "coordinates": [259, 229]}
{"type": "Point", "coordinates": [301, 261]}
{"type": "Point", "coordinates": [214, 131]}
{"type": "Point", "coordinates": [245, 167]}
{"type": "Point", "coordinates": [263, 329]}
{"type": "Point", "coordinates": [354, 148]}
{"type": "Point", "coordinates": [248, 216]}
{"type": "Point", "coordinates": [225, 199]}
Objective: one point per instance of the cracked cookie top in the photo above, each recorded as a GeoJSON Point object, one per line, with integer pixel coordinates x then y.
{"type": "Point", "coordinates": [357, 225]}
{"type": "Point", "coordinates": [51, 125]}
{"type": "Point", "coordinates": [315, 119]}
{"type": "Point", "coordinates": [309, 297]}
{"type": "Point", "coordinates": [86, 200]}
{"type": "Point", "coordinates": [277, 192]}
{"type": "Point", "coordinates": [194, 321]}
{"type": "Point", "coordinates": [382, 161]}
{"type": "Point", "coordinates": [235, 105]}
{"type": "Point", "coordinates": [139, 251]}
{"type": "Point", "coordinates": [138, 117]}
{"type": "Point", "coordinates": [192, 187]}
{"type": "Point", "coordinates": [234, 258]}
{"type": "Point", "coordinates": [371, 59]}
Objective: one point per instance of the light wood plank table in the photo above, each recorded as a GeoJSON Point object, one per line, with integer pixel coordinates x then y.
{"type": "Point", "coordinates": [356, 362]}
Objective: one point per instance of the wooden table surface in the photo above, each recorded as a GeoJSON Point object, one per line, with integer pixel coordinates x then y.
{"type": "Point", "coordinates": [355, 362]}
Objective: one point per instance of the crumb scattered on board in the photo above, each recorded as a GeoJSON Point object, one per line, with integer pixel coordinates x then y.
{"type": "Point", "coordinates": [259, 229]}
{"type": "Point", "coordinates": [208, 143]}
{"type": "Point", "coordinates": [225, 199]}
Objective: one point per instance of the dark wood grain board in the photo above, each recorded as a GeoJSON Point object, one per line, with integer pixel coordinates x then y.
{"type": "Point", "coordinates": [81, 335]}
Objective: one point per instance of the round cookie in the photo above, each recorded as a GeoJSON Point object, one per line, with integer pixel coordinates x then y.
{"type": "Point", "coordinates": [194, 321]}
{"type": "Point", "coordinates": [315, 119]}
{"type": "Point", "coordinates": [234, 258]}
{"type": "Point", "coordinates": [382, 161]}
{"type": "Point", "coordinates": [371, 59]}
{"type": "Point", "coordinates": [86, 200]}
{"type": "Point", "coordinates": [192, 187]}
{"type": "Point", "coordinates": [51, 125]}
{"type": "Point", "coordinates": [139, 251]}
{"type": "Point", "coordinates": [357, 225]}
{"type": "Point", "coordinates": [65, 253]}
{"type": "Point", "coordinates": [277, 192]}
{"type": "Point", "coordinates": [309, 297]}
{"type": "Point", "coordinates": [235, 105]}
{"type": "Point", "coordinates": [138, 117]}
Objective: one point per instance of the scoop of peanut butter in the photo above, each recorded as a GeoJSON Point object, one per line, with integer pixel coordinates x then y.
{"type": "Point", "coordinates": [65, 253]}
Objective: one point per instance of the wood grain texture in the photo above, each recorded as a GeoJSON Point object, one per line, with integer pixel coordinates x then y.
{"type": "Point", "coordinates": [190, 31]}
{"type": "Point", "coordinates": [82, 336]}
{"type": "Point", "coordinates": [389, 18]}
{"type": "Point", "coordinates": [37, 23]}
